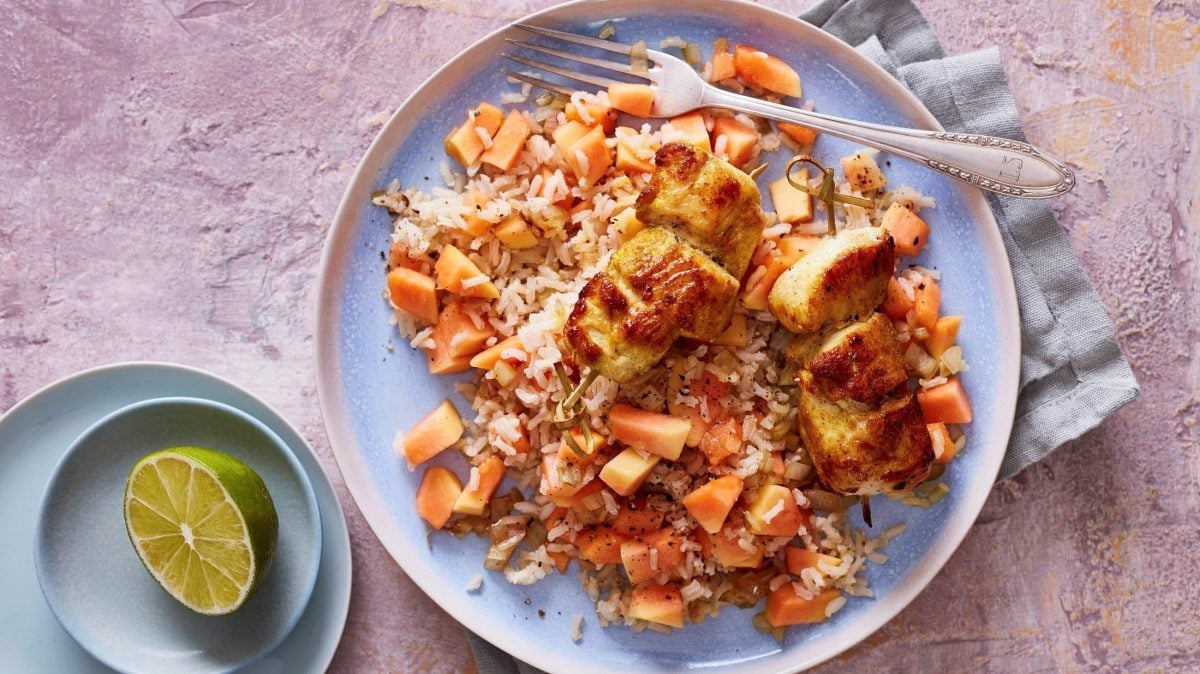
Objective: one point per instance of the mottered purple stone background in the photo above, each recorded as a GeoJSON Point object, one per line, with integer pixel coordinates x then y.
{"type": "Point", "coordinates": [168, 171]}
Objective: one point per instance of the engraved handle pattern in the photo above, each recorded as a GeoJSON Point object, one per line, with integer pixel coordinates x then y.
{"type": "Point", "coordinates": [1013, 165]}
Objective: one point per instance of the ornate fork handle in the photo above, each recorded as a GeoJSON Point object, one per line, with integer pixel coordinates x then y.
{"type": "Point", "coordinates": [995, 164]}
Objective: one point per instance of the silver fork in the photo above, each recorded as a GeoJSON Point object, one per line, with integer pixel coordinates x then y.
{"type": "Point", "coordinates": [996, 164]}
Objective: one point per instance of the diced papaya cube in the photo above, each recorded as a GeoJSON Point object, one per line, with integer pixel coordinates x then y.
{"type": "Point", "coordinates": [600, 545]}
{"type": "Point", "coordinates": [473, 500]}
{"type": "Point", "coordinates": [626, 224]}
{"type": "Point", "coordinates": [652, 554]}
{"type": "Point", "coordinates": [740, 139]}
{"type": "Point", "coordinates": [399, 257]}
{"type": "Point", "coordinates": [722, 66]}
{"type": "Point", "coordinates": [441, 361]}
{"type": "Point", "coordinates": [777, 467]}
{"type": "Point", "coordinates": [792, 205]}
{"type": "Point", "coordinates": [706, 386]}
{"type": "Point", "coordinates": [625, 472]}
{"type": "Point", "coordinates": [786, 607]}
{"type": "Point", "coordinates": [926, 300]}
{"type": "Point", "coordinates": [456, 339]}
{"type": "Point", "coordinates": [413, 292]}
{"type": "Point", "coordinates": [437, 431]}
{"type": "Point", "coordinates": [942, 335]}
{"type": "Point", "coordinates": [516, 233]}
{"type": "Point", "coordinates": [651, 432]}
{"type": "Point", "coordinates": [436, 495]}
{"type": "Point", "coordinates": [789, 251]}
{"type": "Point", "coordinates": [729, 553]}
{"type": "Point", "coordinates": [799, 559]}
{"type": "Point", "coordinates": [589, 157]}
{"type": "Point", "coordinates": [591, 450]}
{"type": "Point", "coordinates": [722, 440]}
{"type": "Point", "coordinates": [503, 373]}
{"type": "Point", "coordinates": [561, 560]}
{"type": "Point", "coordinates": [463, 144]}
{"type": "Point", "coordinates": [628, 161]}
{"type": "Point", "coordinates": [736, 335]}
{"type": "Point", "coordinates": [802, 135]}
{"type": "Point", "coordinates": [635, 557]}
{"type": "Point", "coordinates": [635, 99]}
{"type": "Point", "coordinates": [710, 504]}
{"type": "Point", "coordinates": [460, 334]}
{"type": "Point", "coordinates": [662, 604]}
{"type": "Point", "coordinates": [792, 248]}
{"type": "Point", "coordinates": [943, 447]}
{"type": "Point", "coordinates": [693, 128]}
{"type": "Point", "coordinates": [946, 403]}
{"type": "Point", "coordinates": [487, 359]}
{"type": "Point", "coordinates": [896, 303]}
{"type": "Point", "coordinates": [862, 172]}
{"type": "Point", "coordinates": [456, 273]}
{"type": "Point", "coordinates": [487, 117]}
{"type": "Point", "coordinates": [908, 230]}
{"type": "Point", "coordinates": [765, 71]}
{"type": "Point", "coordinates": [774, 512]}
{"type": "Point", "coordinates": [556, 472]}
{"type": "Point", "coordinates": [508, 142]}
{"type": "Point", "coordinates": [597, 114]}
{"type": "Point", "coordinates": [634, 520]}
{"type": "Point", "coordinates": [566, 135]}
{"type": "Point", "coordinates": [583, 498]}
{"type": "Point", "coordinates": [475, 224]}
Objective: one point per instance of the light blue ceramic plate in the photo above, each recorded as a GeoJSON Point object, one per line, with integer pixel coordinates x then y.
{"type": "Point", "coordinates": [369, 392]}
{"type": "Point", "coordinates": [96, 585]}
{"type": "Point", "coordinates": [34, 436]}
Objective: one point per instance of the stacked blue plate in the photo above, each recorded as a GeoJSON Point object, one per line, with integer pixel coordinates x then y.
{"type": "Point", "coordinates": [70, 447]}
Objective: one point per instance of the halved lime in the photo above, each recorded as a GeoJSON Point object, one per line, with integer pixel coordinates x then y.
{"type": "Point", "coordinates": [203, 524]}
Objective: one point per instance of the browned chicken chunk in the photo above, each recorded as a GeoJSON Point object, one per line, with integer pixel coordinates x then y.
{"type": "Point", "coordinates": [707, 202]}
{"type": "Point", "coordinates": [691, 290]}
{"type": "Point", "coordinates": [677, 278]}
{"type": "Point", "coordinates": [858, 419]}
{"type": "Point", "coordinates": [656, 288]}
{"type": "Point", "coordinates": [843, 277]}
{"type": "Point", "coordinates": [860, 362]}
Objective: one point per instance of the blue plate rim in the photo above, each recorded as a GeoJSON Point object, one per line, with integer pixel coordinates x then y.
{"type": "Point", "coordinates": [355, 472]}
{"type": "Point", "coordinates": [335, 515]}
{"type": "Point", "coordinates": [41, 534]}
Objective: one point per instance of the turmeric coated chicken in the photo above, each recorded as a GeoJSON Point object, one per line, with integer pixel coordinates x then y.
{"type": "Point", "coordinates": [706, 202]}
{"type": "Point", "coordinates": [858, 419]}
{"type": "Point", "coordinates": [843, 277]}
{"type": "Point", "coordinates": [677, 278]}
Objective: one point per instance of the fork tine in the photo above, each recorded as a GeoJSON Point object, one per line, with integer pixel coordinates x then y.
{"type": "Point", "coordinates": [615, 47]}
{"type": "Point", "coordinates": [595, 80]}
{"type": "Point", "coordinates": [541, 84]}
{"type": "Point", "coordinates": [587, 60]}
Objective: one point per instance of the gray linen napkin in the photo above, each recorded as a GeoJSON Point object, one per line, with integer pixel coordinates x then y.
{"type": "Point", "coordinates": [1073, 374]}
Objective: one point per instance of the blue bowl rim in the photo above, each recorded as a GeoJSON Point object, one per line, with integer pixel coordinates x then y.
{"type": "Point", "coordinates": [310, 499]}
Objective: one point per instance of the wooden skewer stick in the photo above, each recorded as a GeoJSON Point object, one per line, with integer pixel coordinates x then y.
{"type": "Point", "coordinates": [824, 191]}
{"type": "Point", "coordinates": [569, 413]}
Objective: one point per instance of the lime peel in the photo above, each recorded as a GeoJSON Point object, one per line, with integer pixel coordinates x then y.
{"type": "Point", "coordinates": [203, 525]}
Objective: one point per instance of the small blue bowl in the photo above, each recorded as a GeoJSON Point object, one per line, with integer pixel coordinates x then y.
{"type": "Point", "coordinates": [97, 587]}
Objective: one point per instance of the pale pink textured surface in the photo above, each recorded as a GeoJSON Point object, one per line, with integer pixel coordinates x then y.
{"type": "Point", "coordinates": [168, 171]}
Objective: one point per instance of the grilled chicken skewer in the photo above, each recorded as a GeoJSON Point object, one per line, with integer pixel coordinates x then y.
{"type": "Point", "coordinates": [858, 419]}
{"type": "Point", "coordinates": [677, 278]}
